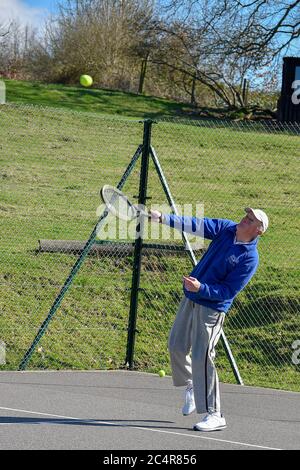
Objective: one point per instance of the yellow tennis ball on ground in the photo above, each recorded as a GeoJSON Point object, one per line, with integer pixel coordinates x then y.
{"type": "Point", "coordinates": [161, 373]}
{"type": "Point", "coordinates": [86, 80]}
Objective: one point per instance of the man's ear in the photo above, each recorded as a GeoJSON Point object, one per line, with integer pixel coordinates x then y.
{"type": "Point", "coordinates": [259, 231]}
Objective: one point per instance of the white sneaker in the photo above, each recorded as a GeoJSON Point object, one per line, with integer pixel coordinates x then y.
{"type": "Point", "coordinates": [211, 422]}
{"type": "Point", "coordinates": [189, 401]}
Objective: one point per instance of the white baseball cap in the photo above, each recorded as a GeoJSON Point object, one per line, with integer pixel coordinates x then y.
{"type": "Point", "coordinates": [259, 215]}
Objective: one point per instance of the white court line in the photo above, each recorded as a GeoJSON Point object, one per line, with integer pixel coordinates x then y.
{"type": "Point", "coordinates": [107, 423]}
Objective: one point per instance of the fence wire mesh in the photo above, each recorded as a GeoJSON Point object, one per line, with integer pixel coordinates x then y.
{"type": "Point", "coordinates": [53, 164]}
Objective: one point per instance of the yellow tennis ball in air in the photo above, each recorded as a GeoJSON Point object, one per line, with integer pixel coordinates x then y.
{"type": "Point", "coordinates": [86, 80]}
{"type": "Point", "coordinates": [161, 373]}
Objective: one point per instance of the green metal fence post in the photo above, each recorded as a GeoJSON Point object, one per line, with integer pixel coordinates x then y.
{"type": "Point", "coordinates": [138, 246]}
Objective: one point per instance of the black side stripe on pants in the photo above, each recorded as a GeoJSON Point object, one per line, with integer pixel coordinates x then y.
{"type": "Point", "coordinates": [220, 321]}
{"type": "Point", "coordinates": [211, 344]}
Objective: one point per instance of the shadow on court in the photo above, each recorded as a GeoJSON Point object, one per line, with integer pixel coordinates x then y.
{"type": "Point", "coordinates": [85, 422]}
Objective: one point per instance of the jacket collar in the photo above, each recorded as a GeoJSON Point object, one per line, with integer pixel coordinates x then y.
{"type": "Point", "coordinates": [247, 245]}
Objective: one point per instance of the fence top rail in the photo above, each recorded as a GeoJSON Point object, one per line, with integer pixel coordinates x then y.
{"type": "Point", "coordinates": [270, 126]}
{"type": "Point", "coordinates": [67, 111]}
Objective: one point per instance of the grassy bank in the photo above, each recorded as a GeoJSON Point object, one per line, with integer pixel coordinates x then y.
{"type": "Point", "coordinates": [92, 100]}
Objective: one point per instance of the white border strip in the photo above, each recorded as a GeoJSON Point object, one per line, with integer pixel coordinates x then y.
{"type": "Point", "coordinates": [107, 423]}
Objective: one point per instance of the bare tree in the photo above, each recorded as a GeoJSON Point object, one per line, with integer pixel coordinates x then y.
{"type": "Point", "coordinates": [273, 24]}
{"type": "Point", "coordinates": [220, 43]}
{"type": "Point", "coordinates": [195, 52]}
{"type": "Point", "coordinates": [257, 25]}
{"type": "Point", "coordinates": [15, 42]}
{"type": "Point", "coordinates": [100, 37]}
{"type": "Point", "coordinates": [4, 29]}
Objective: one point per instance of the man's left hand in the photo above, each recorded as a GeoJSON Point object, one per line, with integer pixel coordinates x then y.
{"type": "Point", "coordinates": [191, 284]}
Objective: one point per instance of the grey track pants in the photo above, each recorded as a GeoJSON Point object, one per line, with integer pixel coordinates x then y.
{"type": "Point", "coordinates": [196, 328]}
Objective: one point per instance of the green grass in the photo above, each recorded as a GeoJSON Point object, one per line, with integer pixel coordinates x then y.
{"type": "Point", "coordinates": [94, 100]}
{"type": "Point", "coordinates": [53, 163]}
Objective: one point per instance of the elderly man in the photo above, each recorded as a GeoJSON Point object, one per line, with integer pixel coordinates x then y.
{"type": "Point", "coordinates": [227, 266]}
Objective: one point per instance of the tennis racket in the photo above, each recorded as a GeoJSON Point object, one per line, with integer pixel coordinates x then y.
{"type": "Point", "coordinates": [119, 204]}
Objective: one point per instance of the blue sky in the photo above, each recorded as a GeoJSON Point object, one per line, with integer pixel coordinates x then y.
{"type": "Point", "coordinates": [33, 12]}
{"type": "Point", "coordinates": [39, 3]}
{"type": "Point", "coordinates": [48, 4]}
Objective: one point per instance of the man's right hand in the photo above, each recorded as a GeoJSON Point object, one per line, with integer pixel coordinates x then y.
{"type": "Point", "coordinates": [155, 216]}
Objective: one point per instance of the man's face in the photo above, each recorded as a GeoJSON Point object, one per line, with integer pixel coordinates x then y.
{"type": "Point", "coordinates": [249, 227]}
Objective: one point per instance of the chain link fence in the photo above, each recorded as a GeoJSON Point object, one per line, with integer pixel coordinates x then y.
{"type": "Point", "coordinates": [53, 164]}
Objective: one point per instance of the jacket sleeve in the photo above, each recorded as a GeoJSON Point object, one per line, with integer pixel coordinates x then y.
{"type": "Point", "coordinates": [201, 227]}
{"type": "Point", "coordinates": [234, 282]}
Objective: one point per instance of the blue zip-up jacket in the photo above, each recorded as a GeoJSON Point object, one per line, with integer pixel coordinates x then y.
{"type": "Point", "coordinates": [225, 268]}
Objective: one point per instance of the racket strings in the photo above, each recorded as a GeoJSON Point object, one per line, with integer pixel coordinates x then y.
{"type": "Point", "coordinates": [118, 204]}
